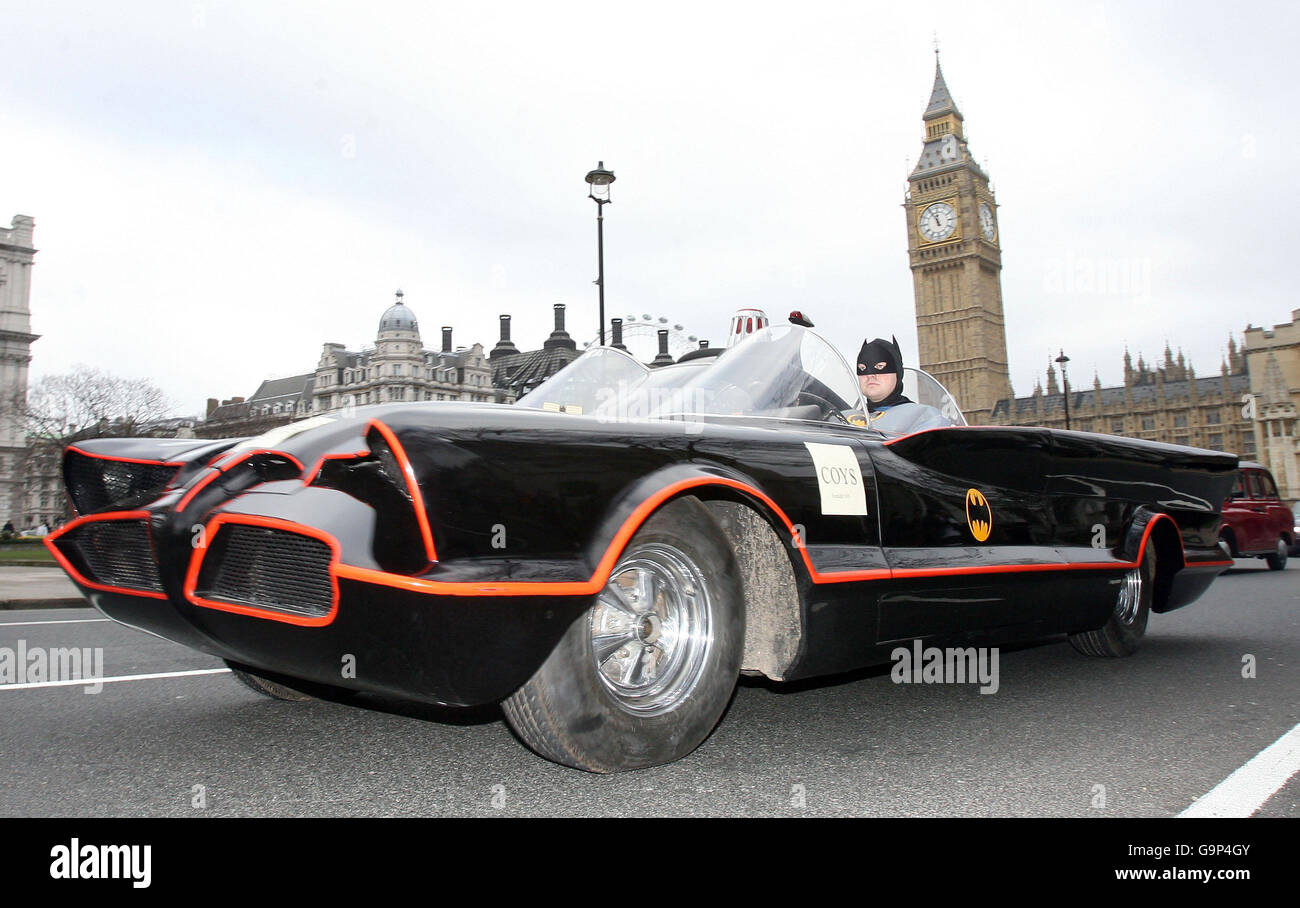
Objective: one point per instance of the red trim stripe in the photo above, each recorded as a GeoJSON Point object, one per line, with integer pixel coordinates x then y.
{"type": "Point", "coordinates": [219, 471]}
{"type": "Point", "coordinates": [408, 473]}
{"type": "Point", "coordinates": [160, 463]}
{"type": "Point", "coordinates": [615, 549]}
{"type": "Point", "coordinates": [421, 515]}
{"type": "Point", "coordinates": [612, 552]}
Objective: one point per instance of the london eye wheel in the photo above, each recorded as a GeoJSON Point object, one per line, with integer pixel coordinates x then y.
{"type": "Point", "coordinates": [641, 337]}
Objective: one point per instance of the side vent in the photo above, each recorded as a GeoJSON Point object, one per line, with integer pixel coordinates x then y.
{"type": "Point", "coordinates": [378, 480]}
{"type": "Point", "coordinates": [114, 554]}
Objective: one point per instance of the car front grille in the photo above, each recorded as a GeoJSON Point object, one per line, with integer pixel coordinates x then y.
{"type": "Point", "coordinates": [113, 553]}
{"type": "Point", "coordinates": [267, 568]}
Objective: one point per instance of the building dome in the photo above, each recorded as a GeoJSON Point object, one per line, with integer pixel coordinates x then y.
{"type": "Point", "coordinates": [398, 317]}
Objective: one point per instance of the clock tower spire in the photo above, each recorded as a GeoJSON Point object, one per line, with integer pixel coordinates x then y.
{"type": "Point", "coordinates": [956, 260]}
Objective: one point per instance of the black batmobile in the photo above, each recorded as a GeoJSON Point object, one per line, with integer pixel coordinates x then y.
{"type": "Point", "coordinates": [606, 556]}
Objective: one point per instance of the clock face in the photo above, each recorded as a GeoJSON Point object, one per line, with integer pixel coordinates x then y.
{"type": "Point", "coordinates": [986, 222]}
{"type": "Point", "coordinates": [938, 221]}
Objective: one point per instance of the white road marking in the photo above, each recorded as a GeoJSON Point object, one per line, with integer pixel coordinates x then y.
{"type": "Point", "coordinates": [87, 682]}
{"type": "Point", "coordinates": [63, 621]}
{"type": "Point", "coordinates": [1246, 790]}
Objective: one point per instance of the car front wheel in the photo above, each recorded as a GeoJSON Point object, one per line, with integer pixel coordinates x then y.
{"type": "Point", "coordinates": [266, 685]}
{"type": "Point", "coordinates": [643, 677]}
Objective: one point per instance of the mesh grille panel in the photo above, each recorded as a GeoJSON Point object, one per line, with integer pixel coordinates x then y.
{"type": "Point", "coordinates": [115, 553]}
{"type": "Point", "coordinates": [95, 483]}
{"type": "Point", "coordinates": [269, 569]}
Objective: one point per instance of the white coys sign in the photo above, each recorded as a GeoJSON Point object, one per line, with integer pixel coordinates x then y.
{"type": "Point", "coordinates": [839, 478]}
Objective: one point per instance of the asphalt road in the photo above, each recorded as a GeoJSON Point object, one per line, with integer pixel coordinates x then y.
{"type": "Point", "coordinates": [1157, 730]}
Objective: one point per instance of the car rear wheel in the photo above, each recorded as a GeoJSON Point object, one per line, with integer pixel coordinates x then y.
{"type": "Point", "coordinates": [643, 677]}
{"type": "Point", "coordinates": [1123, 630]}
{"type": "Point", "coordinates": [1277, 561]}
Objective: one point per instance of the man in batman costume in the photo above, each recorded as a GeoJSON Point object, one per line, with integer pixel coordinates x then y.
{"type": "Point", "coordinates": [880, 376]}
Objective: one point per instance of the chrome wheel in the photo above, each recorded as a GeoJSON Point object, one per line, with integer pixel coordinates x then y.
{"type": "Point", "coordinates": [1130, 596]}
{"type": "Point", "coordinates": [651, 630]}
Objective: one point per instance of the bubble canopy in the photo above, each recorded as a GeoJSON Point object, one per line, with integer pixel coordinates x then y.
{"type": "Point", "coordinates": [781, 372]}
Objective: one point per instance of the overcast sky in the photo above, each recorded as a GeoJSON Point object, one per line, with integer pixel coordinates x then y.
{"type": "Point", "coordinates": [219, 188]}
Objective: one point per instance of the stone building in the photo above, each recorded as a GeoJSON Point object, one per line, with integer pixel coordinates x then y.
{"type": "Point", "coordinates": [956, 260]}
{"type": "Point", "coordinates": [397, 368]}
{"type": "Point", "coordinates": [275, 402]}
{"type": "Point", "coordinates": [16, 255]}
{"type": "Point", "coordinates": [1167, 403]}
{"type": "Point", "coordinates": [42, 501]}
{"type": "Point", "coordinates": [400, 368]}
{"type": "Point", "coordinates": [1273, 361]}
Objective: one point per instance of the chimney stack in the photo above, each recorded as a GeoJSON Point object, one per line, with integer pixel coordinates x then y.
{"type": "Point", "coordinates": [504, 346]}
{"type": "Point", "coordinates": [559, 337]}
{"type": "Point", "coordinates": [663, 358]}
{"type": "Point", "coordinates": [446, 338]}
{"type": "Point", "coordinates": [212, 405]}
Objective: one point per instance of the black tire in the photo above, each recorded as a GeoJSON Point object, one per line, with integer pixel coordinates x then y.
{"type": "Point", "coordinates": [574, 712]}
{"type": "Point", "coordinates": [1122, 633]}
{"type": "Point", "coordinates": [268, 686]}
{"type": "Point", "coordinates": [1277, 561]}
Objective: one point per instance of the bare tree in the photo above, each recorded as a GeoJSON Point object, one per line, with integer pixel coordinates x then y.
{"type": "Point", "coordinates": [63, 409]}
{"type": "Point", "coordinates": [89, 401]}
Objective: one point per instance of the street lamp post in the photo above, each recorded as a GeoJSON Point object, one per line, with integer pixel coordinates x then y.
{"type": "Point", "coordinates": [599, 180]}
{"type": "Point", "coordinates": [1065, 381]}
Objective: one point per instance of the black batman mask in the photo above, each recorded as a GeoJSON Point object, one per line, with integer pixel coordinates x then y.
{"type": "Point", "coordinates": [882, 356]}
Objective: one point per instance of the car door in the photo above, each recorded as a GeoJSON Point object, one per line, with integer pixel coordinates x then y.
{"type": "Point", "coordinates": [1256, 513]}
{"type": "Point", "coordinates": [1235, 513]}
{"type": "Point", "coordinates": [965, 529]}
{"type": "Point", "coordinates": [1277, 517]}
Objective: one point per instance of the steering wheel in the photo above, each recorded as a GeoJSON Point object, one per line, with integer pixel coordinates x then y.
{"type": "Point", "coordinates": [828, 410]}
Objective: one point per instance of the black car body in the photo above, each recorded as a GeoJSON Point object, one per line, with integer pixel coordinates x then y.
{"type": "Point", "coordinates": [448, 552]}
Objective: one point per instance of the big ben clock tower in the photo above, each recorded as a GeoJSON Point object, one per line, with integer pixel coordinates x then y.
{"type": "Point", "coordinates": [952, 242]}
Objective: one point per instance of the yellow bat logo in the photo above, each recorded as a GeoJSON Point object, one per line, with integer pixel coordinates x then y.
{"type": "Point", "coordinates": [979, 516]}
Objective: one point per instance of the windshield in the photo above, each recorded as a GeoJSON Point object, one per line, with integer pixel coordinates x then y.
{"type": "Point", "coordinates": [587, 381]}
{"type": "Point", "coordinates": [925, 389]}
{"type": "Point", "coordinates": [782, 371]}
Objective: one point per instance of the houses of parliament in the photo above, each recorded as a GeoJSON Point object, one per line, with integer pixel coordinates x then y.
{"type": "Point", "coordinates": [1247, 406]}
